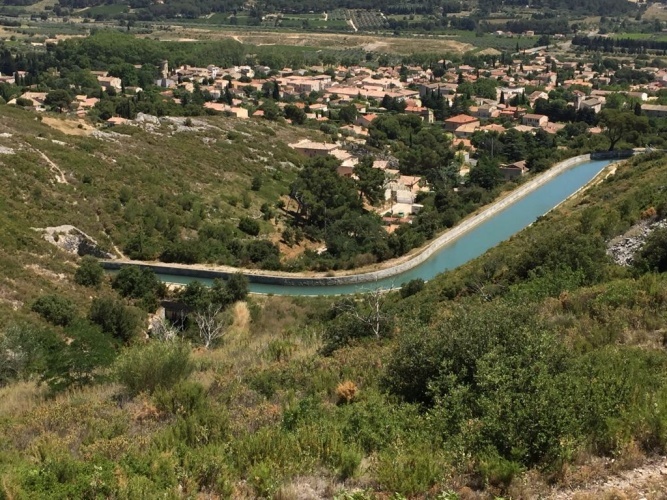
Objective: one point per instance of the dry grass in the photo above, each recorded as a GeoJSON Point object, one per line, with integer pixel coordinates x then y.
{"type": "Point", "coordinates": [398, 45]}
{"type": "Point", "coordinates": [346, 392]}
{"type": "Point", "coordinates": [240, 317]}
{"type": "Point", "coordinates": [68, 127]}
{"type": "Point", "coordinates": [20, 398]}
{"type": "Point", "coordinates": [306, 488]}
{"type": "Point", "coordinates": [41, 5]}
{"type": "Point", "coordinates": [656, 11]}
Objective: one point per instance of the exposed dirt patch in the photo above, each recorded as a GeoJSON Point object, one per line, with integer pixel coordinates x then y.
{"type": "Point", "coordinates": [7, 296]}
{"type": "Point", "coordinates": [646, 482]}
{"type": "Point", "coordinates": [656, 11]}
{"type": "Point", "coordinates": [69, 127]}
{"type": "Point", "coordinates": [55, 169]}
{"type": "Point", "coordinates": [489, 52]}
{"type": "Point", "coordinates": [375, 46]}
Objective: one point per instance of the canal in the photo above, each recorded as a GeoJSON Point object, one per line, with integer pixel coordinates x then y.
{"type": "Point", "coordinates": [468, 246]}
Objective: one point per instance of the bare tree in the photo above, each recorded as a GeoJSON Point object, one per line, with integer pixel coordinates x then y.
{"type": "Point", "coordinates": [211, 328]}
{"type": "Point", "coordinates": [371, 313]}
{"type": "Point", "coordinates": [163, 330]}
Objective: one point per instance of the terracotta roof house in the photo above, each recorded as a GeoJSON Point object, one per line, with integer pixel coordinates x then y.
{"type": "Point", "coordinates": [311, 148]}
{"type": "Point", "coordinates": [365, 120]}
{"type": "Point", "coordinates": [514, 170]}
{"type": "Point", "coordinates": [451, 124]}
{"type": "Point", "coordinates": [466, 130]}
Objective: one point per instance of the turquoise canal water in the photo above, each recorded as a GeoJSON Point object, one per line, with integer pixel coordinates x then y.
{"type": "Point", "coordinates": [472, 244]}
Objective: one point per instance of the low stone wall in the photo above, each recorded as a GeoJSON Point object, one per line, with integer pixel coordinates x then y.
{"type": "Point", "coordinates": [432, 248]}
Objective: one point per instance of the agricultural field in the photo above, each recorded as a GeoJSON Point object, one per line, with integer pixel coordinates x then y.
{"type": "Point", "coordinates": [308, 22]}
{"type": "Point", "coordinates": [367, 19]}
{"type": "Point", "coordinates": [658, 37]}
{"type": "Point", "coordinates": [107, 10]}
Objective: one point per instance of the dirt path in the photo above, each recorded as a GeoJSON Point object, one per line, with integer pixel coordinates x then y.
{"type": "Point", "coordinates": [57, 172]}
{"type": "Point", "coordinates": [118, 251]}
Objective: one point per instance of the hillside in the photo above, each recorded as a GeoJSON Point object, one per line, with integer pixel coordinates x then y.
{"type": "Point", "coordinates": [532, 370]}
{"type": "Point", "coordinates": [135, 190]}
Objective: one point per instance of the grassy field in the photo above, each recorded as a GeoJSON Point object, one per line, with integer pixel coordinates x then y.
{"type": "Point", "coordinates": [41, 6]}
{"type": "Point", "coordinates": [110, 10]}
{"type": "Point", "coordinates": [659, 37]}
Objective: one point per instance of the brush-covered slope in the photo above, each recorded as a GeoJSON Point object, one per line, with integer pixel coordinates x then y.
{"type": "Point", "coordinates": [524, 372]}
{"type": "Point", "coordinates": [174, 190]}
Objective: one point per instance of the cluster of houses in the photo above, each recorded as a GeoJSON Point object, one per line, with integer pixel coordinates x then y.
{"type": "Point", "coordinates": [400, 191]}
{"type": "Point", "coordinates": [365, 87]}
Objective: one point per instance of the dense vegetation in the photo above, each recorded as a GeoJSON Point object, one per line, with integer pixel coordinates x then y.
{"type": "Point", "coordinates": [620, 45]}
{"type": "Point", "coordinates": [525, 361]}
{"type": "Point", "coordinates": [589, 7]}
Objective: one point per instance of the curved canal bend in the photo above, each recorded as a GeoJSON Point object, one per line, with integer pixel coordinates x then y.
{"type": "Point", "coordinates": [490, 227]}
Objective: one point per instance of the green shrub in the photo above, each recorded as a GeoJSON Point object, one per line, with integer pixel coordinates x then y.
{"type": "Point", "coordinates": [55, 309]}
{"type": "Point", "coordinates": [249, 226]}
{"type": "Point", "coordinates": [145, 368]}
{"type": "Point", "coordinates": [22, 351]}
{"type": "Point", "coordinates": [115, 318]}
{"type": "Point", "coordinates": [77, 362]}
{"type": "Point", "coordinates": [182, 399]}
{"type": "Point", "coordinates": [89, 273]}
{"type": "Point", "coordinates": [409, 469]}
{"type": "Point", "coordinates": [264, 480]}
{"type": "Point", "coordinates": [207, 466]}
{"type": "Point", "coordinates": [412, 287]}
{"type": "Point", "coordinates": [498, 471]}
{"type": "Point", "coordinates": [348, 462]}
{"type": "Point", "coordinates": [653, 254]}
{"type": "Point", "coordinates": [137, 283]}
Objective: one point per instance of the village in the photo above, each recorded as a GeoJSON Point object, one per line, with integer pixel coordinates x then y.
{"type": "Point", "coordinates": [519, 90]}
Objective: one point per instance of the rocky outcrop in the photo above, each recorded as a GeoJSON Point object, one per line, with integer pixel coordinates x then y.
{"type": "Point", "coordinates": [623, 249]}
{"type": "Point", "coordinates": [74, 241]}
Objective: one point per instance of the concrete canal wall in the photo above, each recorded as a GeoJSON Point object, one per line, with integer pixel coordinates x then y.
{"type": "Point", "coordinates": [284, 279]}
